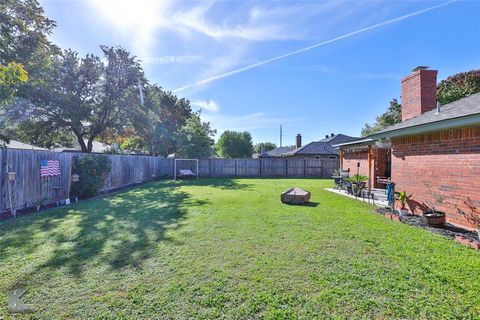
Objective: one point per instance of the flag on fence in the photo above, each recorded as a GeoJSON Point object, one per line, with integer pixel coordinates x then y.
{"type": "Point", "coordinates": [49, 168]}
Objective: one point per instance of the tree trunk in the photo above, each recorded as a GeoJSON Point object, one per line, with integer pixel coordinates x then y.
{"type": "Point", "coordinates": [90, 144]}
{"type": "Point", "coordinates": [81, 142]}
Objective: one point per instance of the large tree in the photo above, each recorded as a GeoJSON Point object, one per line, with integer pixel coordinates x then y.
{"type": "Point", "coordinates": [12, 76]}
{"type": "Point", "coordinates": [195, 138]}
{"type": "Point", "coordinates": [83, 96]}
{"type": "Point", "coordinates": [232, 144]}
{"type": "Point", "coordinates": [390, 117]}
{"type": "Point", "coordinates": [263, 147]}
{"type": "Point", "coordinates": [159, 121]}
{"type": "Point", "coordinates": [25, 51]}
{"type": "Point", "coordinates": [458, 86]}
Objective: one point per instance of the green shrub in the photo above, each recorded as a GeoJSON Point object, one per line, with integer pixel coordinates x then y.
{"type": "Point", "coordinates": [92, 171]}
{"type": "Point", "coordinates": [358, 178]}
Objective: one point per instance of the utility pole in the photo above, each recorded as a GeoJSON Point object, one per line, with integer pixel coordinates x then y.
{"type": "Point", "coordinates": [280, 135]}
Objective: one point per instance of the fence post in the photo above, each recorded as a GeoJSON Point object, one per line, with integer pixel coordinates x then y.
{"type": "Point", "coordinates": [210, 167]}
{"type": "Point", "coordinates": [235, 168]}
{"type": "Point", "coordinates": [304, 167]}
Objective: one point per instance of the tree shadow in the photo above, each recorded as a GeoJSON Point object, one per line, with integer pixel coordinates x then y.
{"type": "Point", "coordinates": [221, 183]}
{"type": "Point", "coordinates": [125, 230]}
{"type": "Point", "coordinates": [118, 231]}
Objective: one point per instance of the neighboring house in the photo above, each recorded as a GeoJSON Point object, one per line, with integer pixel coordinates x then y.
{"type": "Point", "coordinates": [322, 149]}
{"type": "Point", "coordinates": [434, 145]}
{"type": "Point", "coordinates": [274, 153]}
{"type": "Point", "coordinates": [13, 144]}
{"type": "Point", "coordinates": [97, 147]}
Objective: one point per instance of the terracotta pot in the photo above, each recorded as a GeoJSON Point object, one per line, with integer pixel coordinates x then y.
{"type": "Point", "coordinates": [436, 219]}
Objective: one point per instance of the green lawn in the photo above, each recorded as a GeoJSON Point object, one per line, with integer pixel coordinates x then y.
{"type": "Point", "coordinates": [229, 249]}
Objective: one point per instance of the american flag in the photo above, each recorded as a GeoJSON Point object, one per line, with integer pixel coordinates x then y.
{"type": "Point", "coordinates": [49, 168]}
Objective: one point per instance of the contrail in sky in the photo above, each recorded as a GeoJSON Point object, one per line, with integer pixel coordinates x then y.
{"type": "Point", "coordinates": [348, 35]}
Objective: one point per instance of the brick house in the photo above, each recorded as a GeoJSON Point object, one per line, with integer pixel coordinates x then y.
{"type": "Point", "coordinates": [434, 145]}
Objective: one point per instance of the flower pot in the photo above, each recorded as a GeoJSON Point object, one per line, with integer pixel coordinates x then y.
{"type": "Point", "coordinates": [436, 219]}
{"type": "Point", "coordinates": [404, 212]}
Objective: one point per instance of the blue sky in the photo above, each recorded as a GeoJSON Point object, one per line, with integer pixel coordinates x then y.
{"type": "Point", "coordinates": [334, 88]}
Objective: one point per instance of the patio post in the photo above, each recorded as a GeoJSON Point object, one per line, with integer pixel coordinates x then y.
{"type": "Point", "coordinates": [369, 168]}
{"type": "Point", "coordinates": [341, 158]}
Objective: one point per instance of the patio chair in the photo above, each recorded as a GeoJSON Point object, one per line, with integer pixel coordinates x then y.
{"type": "Point", "coordinates": [341, 178]}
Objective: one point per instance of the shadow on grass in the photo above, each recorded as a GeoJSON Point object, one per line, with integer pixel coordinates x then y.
{"type": "Point", "coordinates": [221, 183]}
{"type": "Point", "coordinates": [118, 231]}
{"type": "Point", "coordinates": [308, 204]}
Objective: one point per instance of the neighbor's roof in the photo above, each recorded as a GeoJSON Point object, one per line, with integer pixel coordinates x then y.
{"type": "Point", "coordinates": [13, 144]}
{"type": "Point", "coordinates": [338, 138]}
{"type": "Point", "coordinates": [313, 148]}
{"type": "Point", "coordinates": [322, 147]}
{"type": "Point", "coordinates": [275, 153]}
{"type": "Point", "coordinates": [97, 147]}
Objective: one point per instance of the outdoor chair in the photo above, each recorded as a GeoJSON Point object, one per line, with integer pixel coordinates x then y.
{"type": "Point", "coordinates": [341, 179]}
{"type": "Point", "coordinates": [369, 195]}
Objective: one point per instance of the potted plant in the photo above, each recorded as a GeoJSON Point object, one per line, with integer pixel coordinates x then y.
{"type": "Point", "coordinates": [472, 214]}
{"type": "Point", "coordinates": [358, 183]}
{"type": "Point", "coordinates": [403, 198]}
{"type": "Point", "coordinates": [434, 217]}
{"type": "Point", "coordinates": [39, 203]}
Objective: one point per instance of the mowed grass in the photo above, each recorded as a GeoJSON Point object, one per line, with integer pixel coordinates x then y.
{"type": "Point", "coordinates": [229, 249]}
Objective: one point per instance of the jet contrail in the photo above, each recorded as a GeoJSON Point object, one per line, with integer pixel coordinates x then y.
{"type": "Point", "coordinates": [348, 35]}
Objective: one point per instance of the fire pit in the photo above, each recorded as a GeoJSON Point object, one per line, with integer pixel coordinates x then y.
{"type": "Point", "coordinates": [295, 196]}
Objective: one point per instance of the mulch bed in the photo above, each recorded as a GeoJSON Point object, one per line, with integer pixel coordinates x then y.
{"type": "Point", "coordinates": [447, 230]}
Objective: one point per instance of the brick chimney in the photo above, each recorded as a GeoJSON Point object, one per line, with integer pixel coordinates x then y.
{"type": "Point", "coordinates": [419, 92]}
{"type": "Point", "coordinates": [299, 140]}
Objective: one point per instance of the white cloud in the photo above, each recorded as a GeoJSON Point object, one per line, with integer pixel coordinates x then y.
{"type": "Point", "coordinates": [173, 59]}
{"type": "Point", "coordinates": [208, 105]}
{"type": "Point", "coordinates": [314, 46]}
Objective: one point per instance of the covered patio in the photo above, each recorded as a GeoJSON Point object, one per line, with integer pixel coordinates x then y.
{"type": "Point", "coordinates": [371, 159]}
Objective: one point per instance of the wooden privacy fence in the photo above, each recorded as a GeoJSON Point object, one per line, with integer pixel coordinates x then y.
{"type": "Point", "coordinates": [265, 168]}
{"type": "Point", "coordinates": [28, 187]}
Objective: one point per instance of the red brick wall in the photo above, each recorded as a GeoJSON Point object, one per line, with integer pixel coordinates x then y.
{"type": "Point", "coordinates": [419, 93]}
{"type": "Point", "coordinates": [350, 160]}
{"type": "Point", "coordinates": [447, 160]}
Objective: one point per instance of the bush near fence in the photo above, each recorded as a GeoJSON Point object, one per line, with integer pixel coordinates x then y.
{"type": "Point", "coordinates": [126, 170]}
